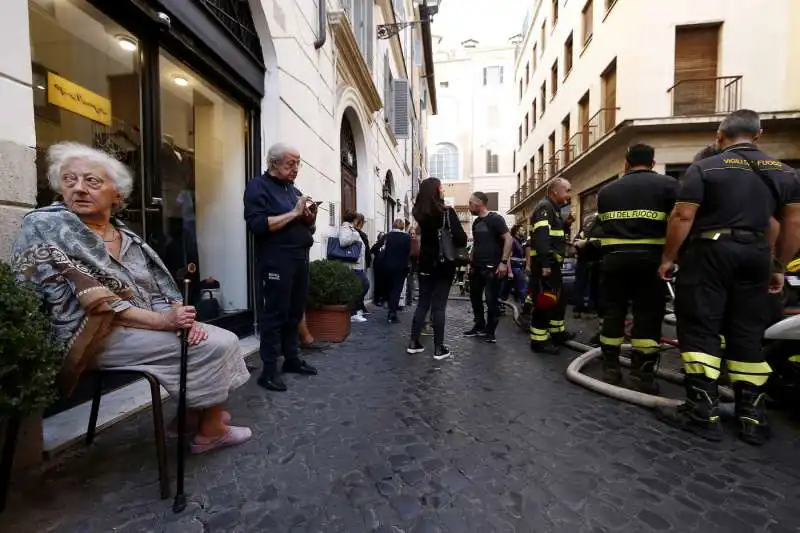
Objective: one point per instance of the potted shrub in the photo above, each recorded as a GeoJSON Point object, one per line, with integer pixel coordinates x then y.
{"type": "Point", "coordinates": [332, 290]}
{"type": "Point", "coordinates": [30, 360]}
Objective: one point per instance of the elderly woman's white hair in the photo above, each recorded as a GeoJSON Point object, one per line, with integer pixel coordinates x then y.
{"type": "Point", "coordinates": [278, 150]}
{"type": "Point", "coordinates": [61, 153]}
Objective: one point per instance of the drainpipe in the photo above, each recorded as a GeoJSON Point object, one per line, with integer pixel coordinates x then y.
{"type": "Point", "coordinates": [322, 32]}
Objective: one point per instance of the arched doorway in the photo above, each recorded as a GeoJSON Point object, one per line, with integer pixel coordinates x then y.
{"type": "Point", "coordinates": [389, 203]}
{"type": "Point", "coordinates": [349, 162]}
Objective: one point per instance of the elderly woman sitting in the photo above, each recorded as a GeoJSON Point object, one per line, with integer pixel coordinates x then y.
{"type": "Point", "coordinates": [113, 302]}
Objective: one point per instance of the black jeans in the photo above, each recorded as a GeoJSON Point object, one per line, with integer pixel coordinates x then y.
{"type": "Point", "coordinates": [434, 290]}
{"type": "Point", "coordinates": [284, 289]}
{"type": "Point", "coordinates": [394, 278]}
{"type": "Point", "coordinates": [483, 279]}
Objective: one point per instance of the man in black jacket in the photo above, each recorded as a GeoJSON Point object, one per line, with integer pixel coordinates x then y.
{"type": "Point", "coordinates": [394, 265]}
{"type": "Point", "coordinates": [282, 221]}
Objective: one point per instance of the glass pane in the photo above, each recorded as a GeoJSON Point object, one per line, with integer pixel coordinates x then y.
{"type": "Point", "coordinates": [86, 89]}
{"type": "Point", "coordinates": [202, 185]}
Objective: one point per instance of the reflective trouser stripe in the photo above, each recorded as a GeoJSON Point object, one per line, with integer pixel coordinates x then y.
{"type": "Point", "coordinates": [612, 341]}
{"type": "Point", "coordinates": [794, 358]}
{"type": "Point", "coordinates": [755, 373]}
{"type": "Point", "coordinates": [722, 341]}
{"type": "Point", "coordinates": [528, 299]}
{"type": "Point", "coordinates": [701, 363]}
{"type": "Point", "coordinates": [616, 242]}
{"type": "Point", "coordinates": [646, 346]}
{"type": "Point", "coordinates": [557, 326]}
{"type": "Point", "coordinates": [539, 335]}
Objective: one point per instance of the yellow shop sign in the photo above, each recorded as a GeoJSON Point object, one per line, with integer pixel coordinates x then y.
{"type": "Point", "coordinates": [67, 95]}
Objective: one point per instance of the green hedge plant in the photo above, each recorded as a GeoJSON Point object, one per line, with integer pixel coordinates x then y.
{"type": "Point", "coordinates": [332, 283]}
{"type": "Point", "coordinates": [30, 359]}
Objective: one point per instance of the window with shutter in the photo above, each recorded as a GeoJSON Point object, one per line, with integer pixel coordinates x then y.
{"type": "Point", "coordinates": [492, 162]}
{"type": "Point", "coordinates": [387, 89]}
{"type": "Point", "coordinates": [588, 22]}
{"type": "Point", "coordinates": [696, 56]}
{"type": "Point", "coordinates": [610, 97]}
{"type": "Point", "coordinates": [400, 111]}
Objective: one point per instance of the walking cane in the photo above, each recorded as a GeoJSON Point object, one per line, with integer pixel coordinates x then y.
{"type": "Point", "coordinates": [180, 497]}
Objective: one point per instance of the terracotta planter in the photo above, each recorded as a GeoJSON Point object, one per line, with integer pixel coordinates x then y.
{"type": "Point", "coordinates": [330, 323]}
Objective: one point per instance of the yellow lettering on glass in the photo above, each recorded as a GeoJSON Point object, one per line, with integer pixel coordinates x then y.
{"type": "Point", "coordinates": [67, 95]}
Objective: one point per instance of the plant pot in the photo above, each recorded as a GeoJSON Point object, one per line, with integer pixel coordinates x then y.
{"type": "Point", "coordinates": [329, 323]}
{"type": "Point", "coordinates": [30, 441]}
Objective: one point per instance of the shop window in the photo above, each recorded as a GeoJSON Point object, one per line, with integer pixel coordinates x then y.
{"type": "Point", "coordinates": [86, 89]}
{"type": "Point", "coordinates": [202, 163]}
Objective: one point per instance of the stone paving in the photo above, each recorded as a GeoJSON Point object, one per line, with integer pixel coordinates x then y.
{"type": "Point", "coordinates": [493, 440]}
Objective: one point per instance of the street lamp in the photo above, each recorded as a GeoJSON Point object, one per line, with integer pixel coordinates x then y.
{"type": "Point", "coordinates": [427, 9]}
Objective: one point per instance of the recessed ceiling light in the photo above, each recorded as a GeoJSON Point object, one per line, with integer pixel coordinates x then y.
{"type": "Point", "coordinates": [180, 81]}
{"type": "Point", "coordinates": [126, 43]}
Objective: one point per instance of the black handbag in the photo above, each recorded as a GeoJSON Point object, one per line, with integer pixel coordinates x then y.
{"type": "Point", "coordinates": [448, 251]}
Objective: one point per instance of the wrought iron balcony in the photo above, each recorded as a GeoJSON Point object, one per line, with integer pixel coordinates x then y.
{"type": "Point", "coordinates": [706, 96]}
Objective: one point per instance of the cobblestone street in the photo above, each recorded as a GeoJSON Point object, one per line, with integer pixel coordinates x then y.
{"type": "Point", "coordinates": [493, 440]}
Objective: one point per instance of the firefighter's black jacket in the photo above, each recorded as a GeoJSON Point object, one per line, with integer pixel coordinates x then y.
{"type": "Point", "coordinates": [548, 242]}
{"type": "Point", "coordinates": [634, 209]}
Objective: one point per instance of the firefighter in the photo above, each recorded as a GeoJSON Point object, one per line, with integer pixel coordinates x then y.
{"type": "Point", "coordinates": [632, 212]}
{"type": "Point", "coordinates": [546, 257]}
{"type": "Point", "coordinates": [721, 225]}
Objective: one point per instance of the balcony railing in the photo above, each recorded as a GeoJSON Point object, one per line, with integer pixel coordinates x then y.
{"type": "Point", "coordinates": [706, 96]}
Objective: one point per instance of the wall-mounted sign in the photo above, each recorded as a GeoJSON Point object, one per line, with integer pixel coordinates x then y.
{"type": "Point", "coordinates": [67, 95]}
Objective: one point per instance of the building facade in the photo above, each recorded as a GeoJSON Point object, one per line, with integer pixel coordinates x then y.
{"type": "Point", "coordinates": [191, 94]}
{"type": "Point", "coordinates": [594, 76]}
{"type": "Point", "coordinates": [471, 148]}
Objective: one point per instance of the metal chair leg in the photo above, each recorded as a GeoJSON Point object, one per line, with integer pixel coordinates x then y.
{"type": "Point", "coordinates": [160, 435]}
{"type": "Point", "coordinates": [7, 460]}
{"type": "Point", "coordinates": [96, 397]}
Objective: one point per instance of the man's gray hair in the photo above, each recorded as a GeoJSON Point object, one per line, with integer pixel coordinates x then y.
{"type": "Point", "coordinates": [552, 185]}
{"type": "Point", "coordinates": [741, 123]}
{"type": "Point", "coordinates": [399, 223]}
{"type": "Point", "coordinates": [58, 155]}
{"type": "Point", "coordinates": [277, 151]}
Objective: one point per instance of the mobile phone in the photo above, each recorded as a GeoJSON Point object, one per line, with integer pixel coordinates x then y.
{"type": "Point", "coordinates": [318, 203]}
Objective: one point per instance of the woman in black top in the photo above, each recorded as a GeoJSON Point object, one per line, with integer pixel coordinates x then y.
{"type": "Point", "coordinates": [435, 274]}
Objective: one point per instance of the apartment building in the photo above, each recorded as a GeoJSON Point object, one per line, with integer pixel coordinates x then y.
{"type": "Point", "coordinates": [470, 137]}
{"type": "Point", "coordinates": [594, 76]}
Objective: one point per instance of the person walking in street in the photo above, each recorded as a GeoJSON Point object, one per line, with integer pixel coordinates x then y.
{"type": "Point", "coordinates": [350, 235]}
{"type": "Point", "coordinates": [722, 225]}
{"type": "Point", "coordinates": [489, 266]}
{"type": "Point", "coordinates": [379, 282]}
{"type": "Point", "coordinates": [547, 255]}
{"type": "Point", "coordinates": [632, 212]}
{"type": "Point", "coordinates": [516, 283]}
{"type": "Point", "coordinates": [282, 222]}
{"type": "Point", "coordinates": [394, 263]}
{"type": "Point", "coordinates": [435, 272]}
{"type": "Point", "coordinates": [586, 256]}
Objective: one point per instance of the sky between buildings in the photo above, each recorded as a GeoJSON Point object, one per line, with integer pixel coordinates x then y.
{"type": "Point", "coordinates": [491, 22]}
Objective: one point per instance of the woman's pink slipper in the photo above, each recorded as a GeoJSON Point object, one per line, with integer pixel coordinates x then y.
{"type": "Point", "coordinates": [172, 429]}
{"type": "Point", "coordinates": [233, 437]}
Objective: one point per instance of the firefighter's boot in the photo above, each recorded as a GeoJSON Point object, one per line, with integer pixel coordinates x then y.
{"type": "Point", "coordinates": [643, 372]}
{"type": "Point", "coordinates": [699, 414]}
{"type": "Point", "coordinates": [752, 414]}
{"type": "Point", "coordinates": [612, 371]}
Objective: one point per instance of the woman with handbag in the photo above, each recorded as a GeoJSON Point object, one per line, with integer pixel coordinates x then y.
{"type": "Point", "coordinates": [441, 241]}
{"type": "Point", "coordinates": [350, 239]}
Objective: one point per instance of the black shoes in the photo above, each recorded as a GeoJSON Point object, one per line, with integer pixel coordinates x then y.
{"type": "Point", "coordinates": [313, 346]}
{"type": "Point", "coordinates": [442, 352]}
{"type": "Point", "coordinates": [544, 348]}
{"type": "Point", "coordinates": [299, 367]}
{"type": "Point", "coordinates": [643, 372]}
{"type": "Point", "coordinates": [392, 318]}
{"type": "Point", "coordinates": [700, 413]}
{"type": "Point", "coordinates": [490, 338]}
{"type": "Point", "coordinates": [273, 383]}
{"type": "Point", "coordinates": [561, 338]}
{"type": "Point", "coordinates": [415, 347]}
{"type": "Point", "coordinates": [612, 371]}
{"type": "Point", "coordinates": [475, 331]}
{"type": "Point", "coordinates": [751, 414]}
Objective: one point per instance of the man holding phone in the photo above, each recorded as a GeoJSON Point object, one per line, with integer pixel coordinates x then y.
{"type": "Point", "coordinates": [282, 222]}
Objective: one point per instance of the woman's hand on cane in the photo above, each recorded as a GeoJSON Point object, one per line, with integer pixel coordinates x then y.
{"type": "Point", "coordinates": [180, 317]}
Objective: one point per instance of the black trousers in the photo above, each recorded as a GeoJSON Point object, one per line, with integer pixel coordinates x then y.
{"type": "Point", "coordinates": [434, 290]}
{"type": "Point", "coordinates": [546, 323]}
{"type": "Point", "coordinates": [483, 281]}
{"type": "Point", "coordinates": [722, 289]}
{"type": "Point", "coordinates": [394, 280]}
{"type": "Point", "coordinates": [284, 289]}
{"type": "Point", "coordinates": [631, 278]}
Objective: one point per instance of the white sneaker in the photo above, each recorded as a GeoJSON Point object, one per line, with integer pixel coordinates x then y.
{"type": "Point", "coordinates": [357, 318]}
